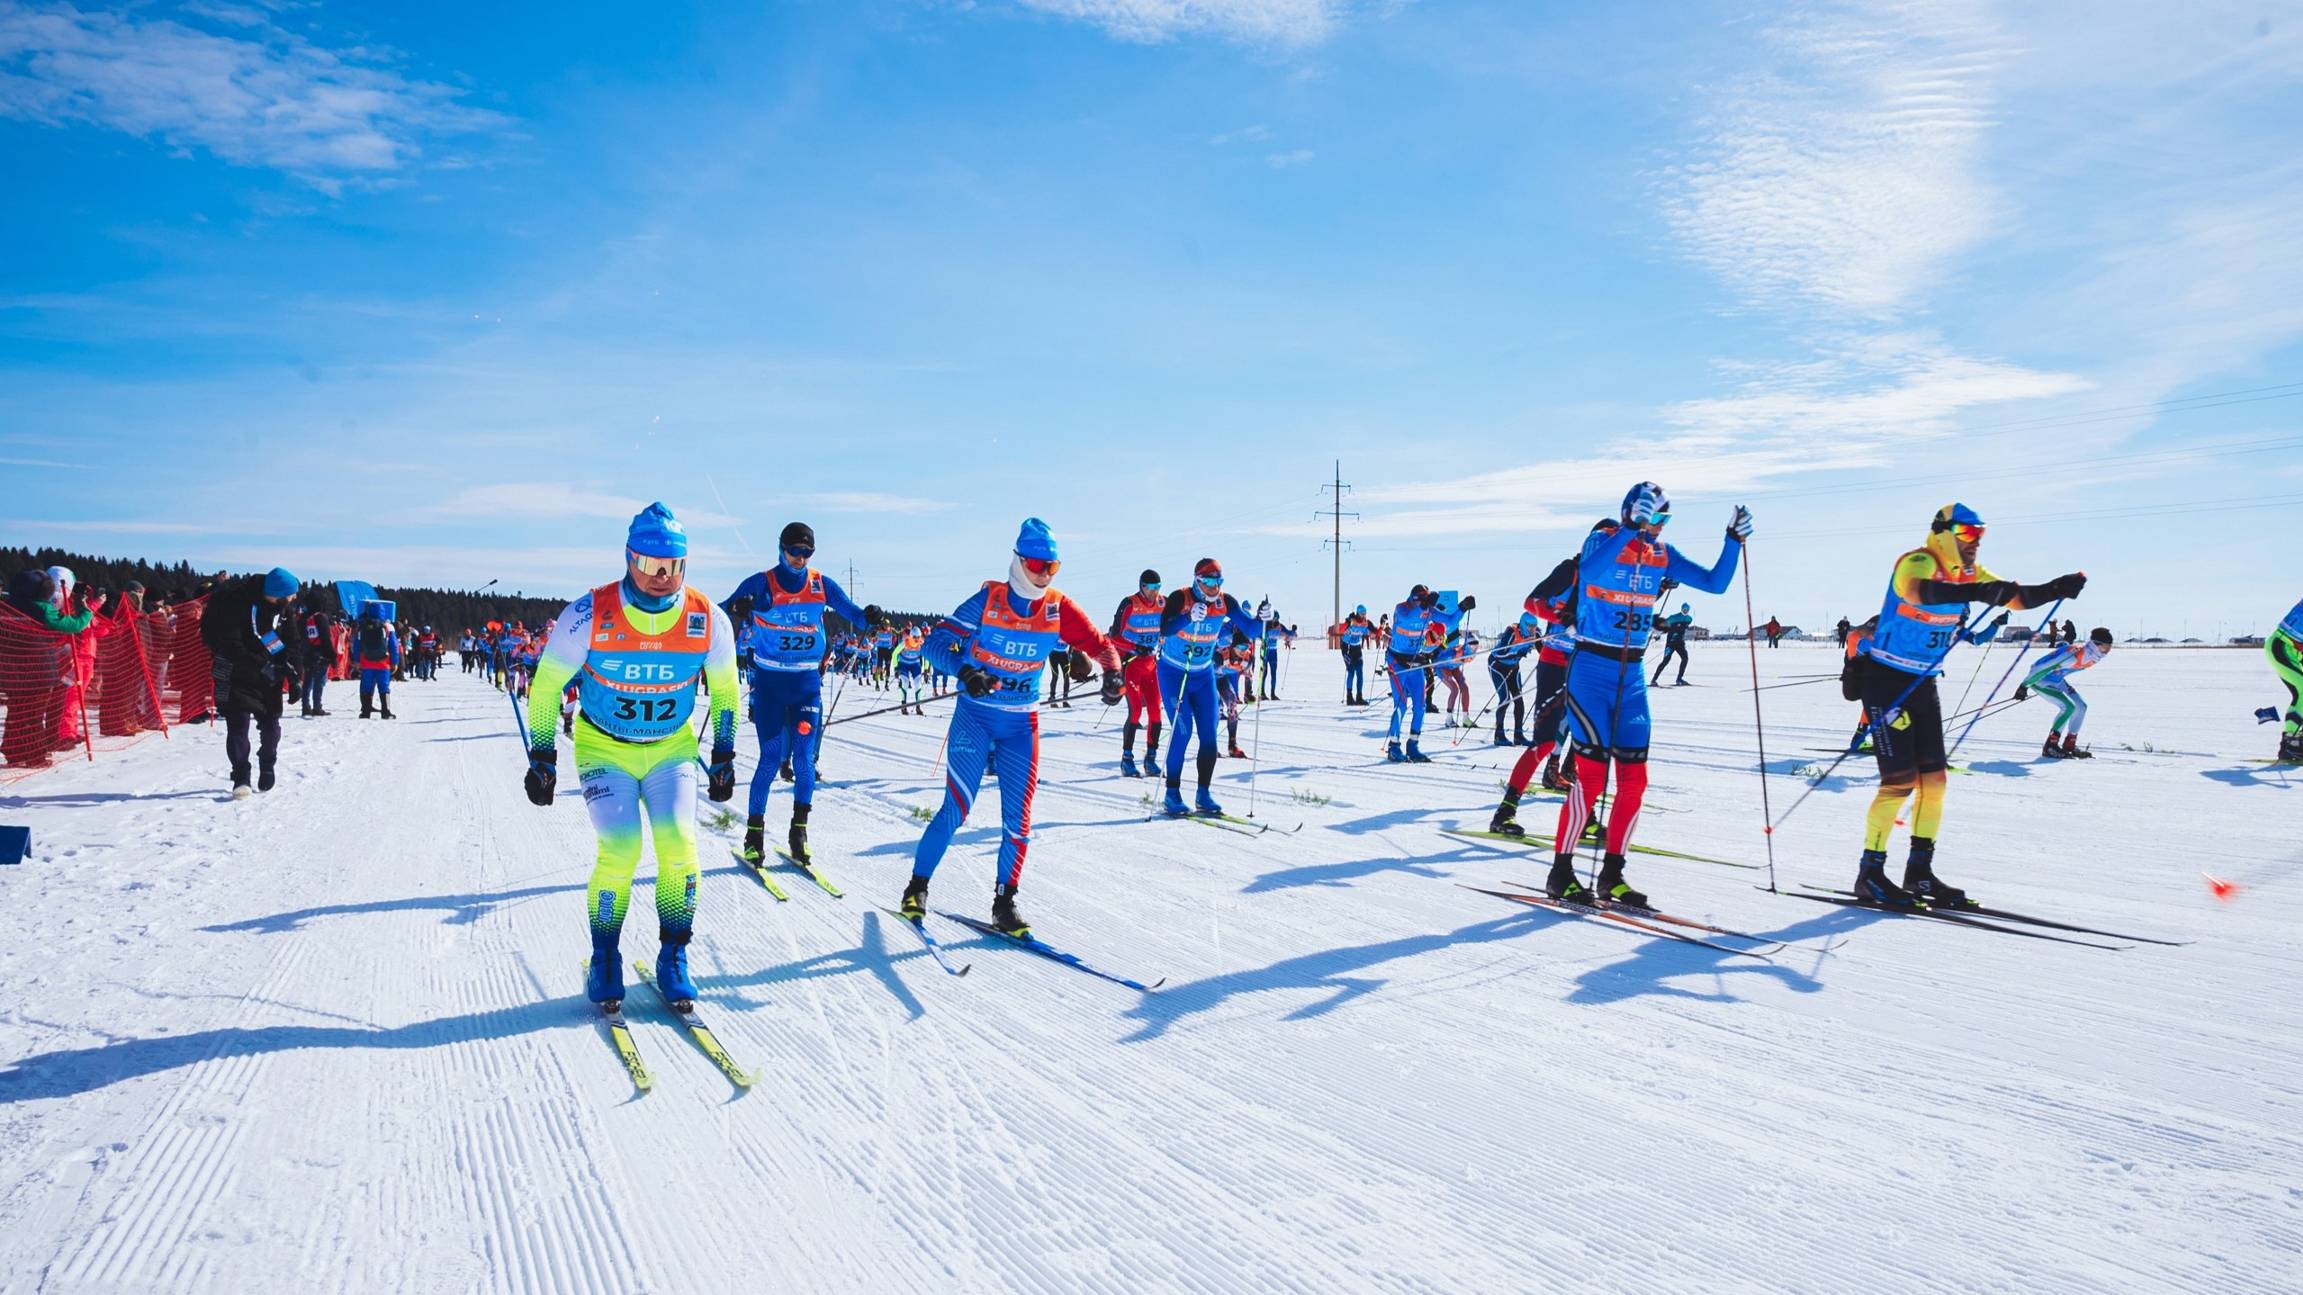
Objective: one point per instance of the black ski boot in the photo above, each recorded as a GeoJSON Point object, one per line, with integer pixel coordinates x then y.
{"type": "Point", "coordinates": [2290, 749]}
{"type": "Point", "coordinates": [1872, 885]}
{"type": "Point", "coordinates": [755, 839]}
{"type": "Point", "coordinates": [1506, 819]}
{"type": "Point", "coordinates": [1921, 883]}
{"type": "Point", "coordinates": [2051, 750]}
{"type": "Point", "coordinates": [915, 902]}
{"type": "Point", "coordinates": [799, 836]}
{"type": "Point", "coordinates": [264, 779]}
{"type": "Point", "coordinates": [1613, 886]}
{"type": "Point", "coordinates": [785, 772]}
{"type": "Point", "coordinates": [1005, 919]}
{"type": "Point", "coordinates": [1562, 884]}
{"type": "Point", "coordinates": [2071, 749]}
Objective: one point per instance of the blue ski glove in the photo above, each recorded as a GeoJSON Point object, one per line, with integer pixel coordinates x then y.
{"type": "Point", "coordinates": [1739, 526]}
{"type": "Point", "coordinates": [543, 775]}
{"type": "Point", "coordinates": [721, 786]}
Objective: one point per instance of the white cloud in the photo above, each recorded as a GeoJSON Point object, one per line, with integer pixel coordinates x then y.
{"type": "Point", "coordinates": [1244, 135]}
{"type": "Point", "coordinates": [1281, 161]}
{"type": "Point", "coordinates": [1281, 22]}
{"type": "Point", "coordinates": [98, 526]}
{"type": "Point", "coordinates": [1850, 178]}
{"type": "Point", "coordinates": [553, 499]}
{"type": "Point", "coordinates": [1863, 403]}
{"type": "Point", "coordinates": [267, 98]}
{"type": "Point", "coordinates": [865, 501]}
{"type": "Point", "coordinates": [44, 463]}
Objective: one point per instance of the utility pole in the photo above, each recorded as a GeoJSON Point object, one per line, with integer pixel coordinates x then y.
{"type": "Point", "coordinates": [851, 581]}
{"type": "Point", "coordinates": [1335, 545]}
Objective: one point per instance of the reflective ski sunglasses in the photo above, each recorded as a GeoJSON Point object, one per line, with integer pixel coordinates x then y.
{"type": "Point", "coordinates": [1044, 568]}
{"type": "Point", "coordinates": [1966, 533]}
{"type": "Point", "coordinates": [655, 568]}
{"type": "Point", "coordinates": [803, 552]}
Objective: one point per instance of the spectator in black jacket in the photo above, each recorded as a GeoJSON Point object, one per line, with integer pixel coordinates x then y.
{"type": "Point", "coordinates": [249, 633]}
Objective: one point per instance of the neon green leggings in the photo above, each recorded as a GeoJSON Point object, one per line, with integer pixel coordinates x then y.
{"type": "Point", "coordinates": [2287, 658]}
{"type": "Point", "coordinates": [620, 779]}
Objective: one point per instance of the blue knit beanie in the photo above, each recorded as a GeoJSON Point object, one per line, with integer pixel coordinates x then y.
{"type": "Point", "coordinates": [280, 582]}
{"type": "Point", "coordinates": [1034, 541]}
{"type": "Point", "coordinates": [656, 533]}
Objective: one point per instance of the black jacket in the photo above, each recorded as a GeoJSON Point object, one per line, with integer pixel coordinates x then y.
{"type": "Point", "coordinates": [233, 627]}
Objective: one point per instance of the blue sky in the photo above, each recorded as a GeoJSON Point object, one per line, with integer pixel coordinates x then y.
{"type": "Point", "coordinates": [395, 293]}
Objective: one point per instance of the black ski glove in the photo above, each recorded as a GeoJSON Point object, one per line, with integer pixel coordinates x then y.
{"type": "Point", "coordinates": [2022, 692]}
{"type": "Point", "coordinates": [721, 786]}
{"type": "Point", "coordinates": [1469, 602]}
{"type": "Point", "coordinates": [543, 775]}
{"type": "Point", "coordinates": [873, 616]}
{"type": "Point", "coordinates": [976, 680]}
{"type": "Point", "coordinates": [2063, 586]}
{"type": "Point", "coordinates": [1114, 688]}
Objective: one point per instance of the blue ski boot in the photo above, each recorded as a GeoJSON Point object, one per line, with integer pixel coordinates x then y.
{"type": "Point", "coordinates": [672, 968]}
{"type": "Point", "coordinates": [1204, 805]}
{"type": "Point", "coordinates": [1391, 753]}
{"type": "Point", "coordinates": [604, 979]}
{"type": "Point", "coordinates": [1128, 765]}
{"type": "Point", "coordinates": [1415, 753]}
{"type": "Point", "coordinates": [1174, 807]}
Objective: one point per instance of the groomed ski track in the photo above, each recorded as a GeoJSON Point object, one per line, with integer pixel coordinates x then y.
{"type": "Point", "coordinates": [332, 1038]}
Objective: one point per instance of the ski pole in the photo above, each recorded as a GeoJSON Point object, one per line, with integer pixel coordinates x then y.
{"type": "Point", "coordinates": [1758, 725]}
{"type": "Point", "coordinates": [2024, 652]}
{"type": "Point", "coordinates": [519, 721]}
{"type": "Point", "coordinates": [1255, 762]}
{"type": "Point", "coordinates": [1873, 722]}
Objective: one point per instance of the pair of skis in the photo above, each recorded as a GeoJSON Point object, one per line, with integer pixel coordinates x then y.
{"type": "Point", "coordinates": [1533, 840]}
{"type": "Point", "coordinates": [1232, 823]}
{"type": "Point", "coordinates": [1652, 921]}
{"type": "Point", "coordinates": [1975, 915]}
{"type": "Point", "coordinates": [1027, 942]}
{"type": "Point", "coordinates": [628, 1051]}
{"type": "Point", "coordinates": [759, 871]}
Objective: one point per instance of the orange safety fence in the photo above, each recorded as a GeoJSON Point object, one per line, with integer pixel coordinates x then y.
{"type": "Point", "coordinates": [66, 696]}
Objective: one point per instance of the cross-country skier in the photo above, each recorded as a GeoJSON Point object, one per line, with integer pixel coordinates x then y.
{"type": "Point", "coordinates": [1503, 661]}
{"type": "Point", "coordinates": [1274, 634]}
{"type": "Point", "coordinates": [910, 662]}
{"type": "Point", "coordinates": [1622, 573]}
{"type": "Point", "coordinates": [2051, 679]}
{"type": "Point", "coordinates": [1135, 627]}
{"type": "Point", "coordinates": [1553, 603]}
{"type": "Point", "coordinates": [1919, 622]}
{"type": "Point", "coordinates": [997, 642]}
{"type": "Point", "coordinates": [2285, 648]}
{"type": "Point", "coordinates": [1353, 634]}
{"type": "Point", "coordinates": [636, 649]}
{"type": "Point", "coordinates": [1232, 663]}
{"type": "Point", "coordinates": [787, 604]}
{"type": "Point", "coordinates": [1409, 658]}
{"type": "Point", "coordinates": [1193, 622]}
{"type": "Point", "coordinates": [1674, 629]}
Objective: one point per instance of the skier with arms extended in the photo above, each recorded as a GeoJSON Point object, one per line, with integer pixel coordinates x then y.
{"type": "Point", "coordinates": [1193, 623]}
{"type": "Point", "coordinates": [1621, 574]}
{"type": "Point", "coordinates": [2051, 679]}
{"type": "Point", "coordinates": [636, 649]}
{"type": "Point", "coordinates": [1919, 621]}
{"type": "Point", "coordinates": [787, 604]}
{"type": "Point", "coordinates": [997, 642]}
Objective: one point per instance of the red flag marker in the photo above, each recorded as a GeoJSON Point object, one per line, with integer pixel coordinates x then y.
{"type": "Point", "coordinates": [2220, 888]}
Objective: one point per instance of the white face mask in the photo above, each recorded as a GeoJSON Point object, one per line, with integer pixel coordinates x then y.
{"type": "Point", "coordinates": [1021, 583]}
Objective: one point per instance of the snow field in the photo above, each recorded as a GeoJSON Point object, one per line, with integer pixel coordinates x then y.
{"type": "Point", "coordinates": [333, 1037]}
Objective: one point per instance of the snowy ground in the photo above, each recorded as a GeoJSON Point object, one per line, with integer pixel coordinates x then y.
{"type": "Point", "coordinates": [332, 1039]}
